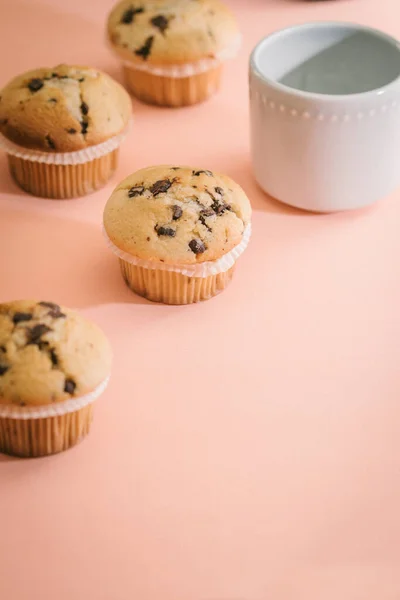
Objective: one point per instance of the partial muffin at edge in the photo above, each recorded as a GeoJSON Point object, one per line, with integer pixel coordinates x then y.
{"type": "Point", "coordinates": [170, 32]}
{"type": "Point", "coordinates": [49, 354]}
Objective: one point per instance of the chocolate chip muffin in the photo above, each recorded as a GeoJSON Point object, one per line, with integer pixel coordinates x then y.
{"type": "Point", "coordinates": [62, 128]}
{"type": "Point", "coordinates": [53, 365]}
{"type": "Point", "coordinates": [173, 50]}
{"type": "Point", "coordinates": [177, 231]}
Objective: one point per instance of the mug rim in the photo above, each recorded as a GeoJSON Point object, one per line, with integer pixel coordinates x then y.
{"type": "Point", "coordinates": [318, 96]}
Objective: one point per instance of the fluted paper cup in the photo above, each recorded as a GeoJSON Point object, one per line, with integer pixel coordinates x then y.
{"type": "Point", "coordinates": [178, 85]}
{"type": "Point", "coordinates": [178, 284]}
{"type": "Point", "coordinates": [32, 431]}
{"type": "Point", "coordinates": [62, 175]}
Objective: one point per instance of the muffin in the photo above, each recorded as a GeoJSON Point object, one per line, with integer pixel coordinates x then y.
{"type": "Point", "coordinates": [177, 232]}
{"type": "Point", "coordinates": [53, 365]}
{"type": "Point", "coordinates": [62, 128]}
{"type": "Point", "coordinates": [172, 51]}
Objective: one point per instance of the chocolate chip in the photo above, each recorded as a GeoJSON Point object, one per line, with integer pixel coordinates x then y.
{"type": "Point", "coordinates": [36, 333]}
{"type": "Point", "coordinates": [50, 142]}
{"type": "Point", "coordinates": [129, 15]}
{"type": "Point", "coordinates": [207, 212]}
{"type": "Point", "coordinates": [148, 239]}
{"type": "Point", "coordinates": [22, 403]}
{"type": "Point", "coordinates": [84, 108]}
{"type": "Point", "coordinates": [3, 349]}
{"type": "Point", "coordinates": [56, 314]}
{"type": "Point", "coordinates": [161, 186]}
{"type": "Point", "coordinates": [53, 357]}
{"type": "Point", "coordinates": [71, 130]}
{"type": "Point", "coordinates": [3, 369]}
{"type": "Point", "coordinates": [35, 84]}
{"type": "Point", "coordinates": [175, 168]}
{"type": "Point", "coordinates": [168, 231]}
{"type": "Point", "coordinates": [54, 100]}
{"type": "Point", "coordinates": [19, 317]}
{"type": "Point", "coordinates": [203, 222]}
{"type": "Point", "coordinates": [145, 50]}
{"type": "Point", "coordinates": [197, 246]}
{"type": "Point", "coordinates": [220, 208]}
{"type": "Point", "coordinates": [197, 173]}
{"type": "Point", "coordinates": [57, 76]}
{"type": "Point", "coordinates": [55, 310]}
{"type": "Point", "coordinates": [69, 386]}
{"type": "Point", "coordinates": [177, 212]}
{"type": "Point", "coordinates": [219, 191]}
{"type": "Point", "coordinates": [136, 190]}
{"type": "Point", "coordinates": [50, 305]}
{"type": "Point", "coordinates": [160, 22]}
{"type": "Point", "coordinates": [3, 121]}
{"type": "Point", "coordinates": [81, 79]}
{"type": "Point", "coordinates": [84, 127]}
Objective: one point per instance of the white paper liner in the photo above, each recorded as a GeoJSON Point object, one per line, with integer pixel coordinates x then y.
{"type": "Point", "coordinates": [188, 69]}
{"type": "Point", "coordinates": [58, 409]}
{"type": "Point", "coordinates": [64, 158]}
{"type": "Point", "coordinates": [205, 269]}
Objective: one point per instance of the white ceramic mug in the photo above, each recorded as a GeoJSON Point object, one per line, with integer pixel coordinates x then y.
{"type": "Point", "coordinates": [325, 115]}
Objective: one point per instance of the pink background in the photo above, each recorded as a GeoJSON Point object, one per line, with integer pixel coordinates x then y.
{"type": "Point", "coordinates": [247, 448]}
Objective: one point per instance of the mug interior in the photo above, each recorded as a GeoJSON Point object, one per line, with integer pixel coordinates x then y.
{"type": "Point", "coordinates": [329, 58]}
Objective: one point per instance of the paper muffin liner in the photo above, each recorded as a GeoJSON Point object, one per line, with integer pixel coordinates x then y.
{"type": "Point", "coordinates": [173, 92]}
{"type": "Point", "coordinates": [170, 287]}
{"type": "Point", "coordinates": [57, 409]}
{"type": "Point", "coordinates": [191, 68]}
{"type": "Point", "coordinates": [78, 157]}
{"type": "Point", "coordinates": [180, 84]}
{"type": "Point", "coordinates": [62, 175]}
{"type": "Point", "coordinates": [205, 269]}
{"type": "Point", "coordinates": [45, 430]}
{"type": "Point", "coordinates": [43, 437]}
{"type": "Point", "coordinates": [178, 284]}
{"type": "Point", "coordinates": [61, 182]}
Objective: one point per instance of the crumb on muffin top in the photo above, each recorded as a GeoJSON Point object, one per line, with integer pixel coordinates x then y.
{"type": "Point", "coordinates": [177, 215]}
{"type": "Point", "coordinates": [63, 109]}
{"type": "Point", "coordinates": [48, 354]}
{"type": "Point", "coordinates": [166, 32]}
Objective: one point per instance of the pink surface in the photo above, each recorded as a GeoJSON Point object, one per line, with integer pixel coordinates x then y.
{"type": "Point", "coordinates": [247, 448]}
